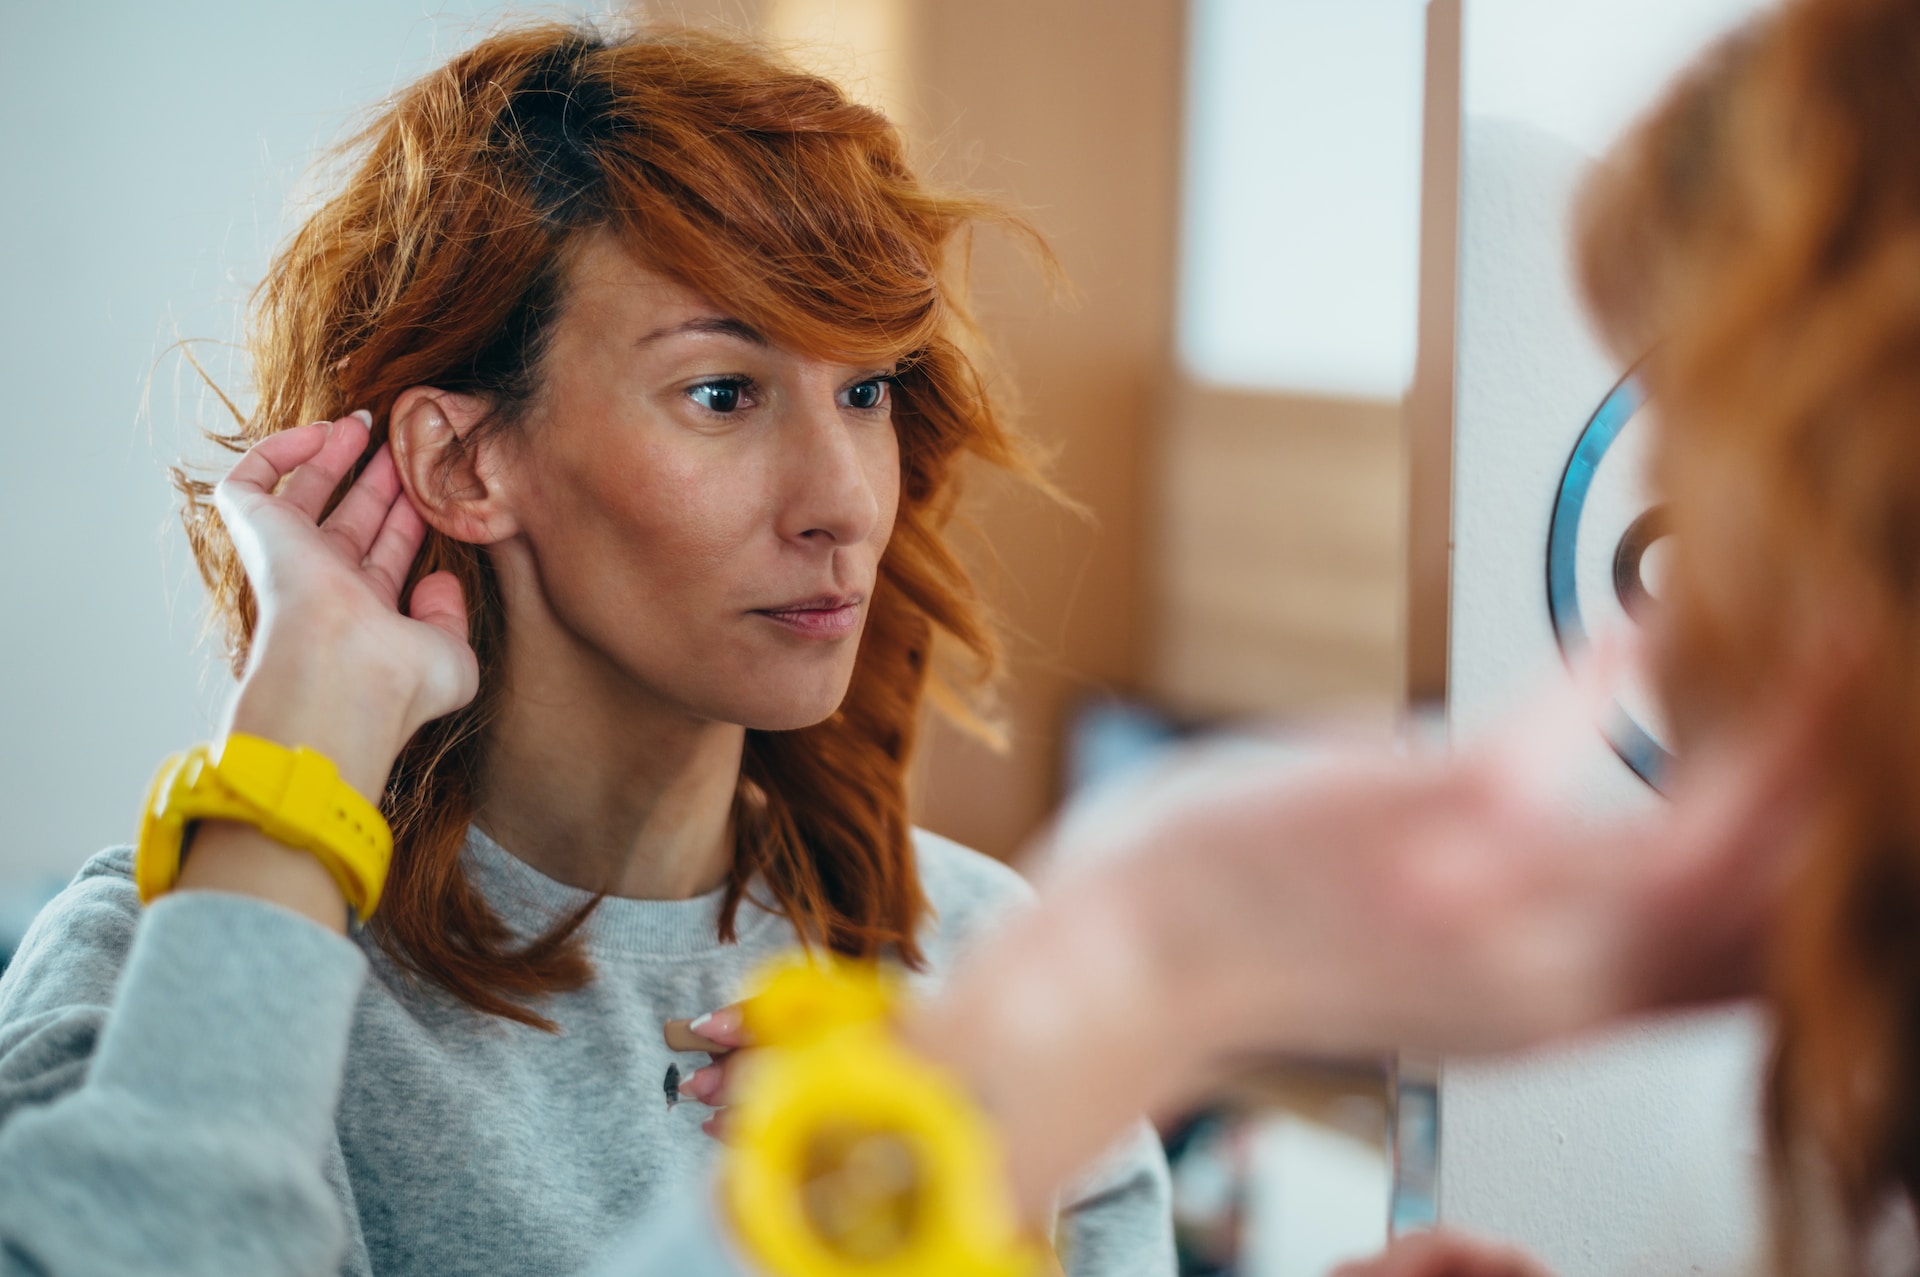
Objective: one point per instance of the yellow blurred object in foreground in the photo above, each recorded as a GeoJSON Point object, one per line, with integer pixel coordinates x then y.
{"type": "Point", "coordinates": [851, 1155]}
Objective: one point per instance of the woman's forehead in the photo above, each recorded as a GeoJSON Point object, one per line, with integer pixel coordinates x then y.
{"type": "Point", "coordinates": [610, 282]}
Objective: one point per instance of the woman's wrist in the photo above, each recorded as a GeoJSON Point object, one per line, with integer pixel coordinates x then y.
{"type": "Point", "coordinates": [239, 859]}
{"type": "Point", "coordinates": [313, 693]}
{"type": "Point", "coordinates": [354, 712]}
{"type": "Point", "coordinates": [309, 694]}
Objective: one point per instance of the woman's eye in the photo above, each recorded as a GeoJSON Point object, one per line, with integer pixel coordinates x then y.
{"type": "Point", "coordinates": [868, 394]}
{"type": "Point", "coordinates": [718, 396]}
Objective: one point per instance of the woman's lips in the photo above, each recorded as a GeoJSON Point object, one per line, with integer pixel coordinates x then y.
{"type": "Point", "coordinates": [818, 618]}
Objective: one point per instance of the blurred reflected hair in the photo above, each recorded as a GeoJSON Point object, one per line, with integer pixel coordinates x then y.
{"type": "Point", "coordinates": [1759, 235]}
{"type": "Point", "coordinates": [442, 260]}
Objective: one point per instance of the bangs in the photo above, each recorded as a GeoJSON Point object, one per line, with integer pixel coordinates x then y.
{"type": "Point", "coordinates": [795, 211]}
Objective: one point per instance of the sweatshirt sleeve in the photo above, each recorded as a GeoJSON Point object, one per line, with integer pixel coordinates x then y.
{"type": "Point", "coordinates": [168, 1079]}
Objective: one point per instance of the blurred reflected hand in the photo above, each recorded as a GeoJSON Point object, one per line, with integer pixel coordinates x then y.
{"type": "Point", "coordinates": [1372, 902]}
{"type": "Point", "coordinates": [1444, 1255]}
{"type": "Point", "coordinates": [1457, 903]}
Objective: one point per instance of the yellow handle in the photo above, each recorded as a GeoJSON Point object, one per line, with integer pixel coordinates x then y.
{"type": "Point", "coordinates": [851, 1155]}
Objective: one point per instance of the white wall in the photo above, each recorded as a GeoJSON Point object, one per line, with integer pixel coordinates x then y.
{"type": "Point", "coordinates": [1300, 209]}
{"type": "Point", "coordinates": [1639, 1153]}
{"type": "Point", "coordinates": [1582, 69]}
{"type": "Point", "coordinates": [148, 152]}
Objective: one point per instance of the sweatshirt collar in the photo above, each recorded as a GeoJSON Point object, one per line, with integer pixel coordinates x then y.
{"type": "Point", "coordinates": [530, 903]}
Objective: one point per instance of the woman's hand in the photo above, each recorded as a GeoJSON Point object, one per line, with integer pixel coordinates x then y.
{"type": "Point", "coordinates": [335, 664]}
{"type": "Point", "coordinates": [1457, 903]}
{"type": "Point", "coordinates": [722, 1034]}
{"type": "Point", "coordinates": [1465, 903]}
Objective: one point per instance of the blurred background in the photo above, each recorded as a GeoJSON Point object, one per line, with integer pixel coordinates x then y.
{"type": "Point", "coordinates": [1250, 383]}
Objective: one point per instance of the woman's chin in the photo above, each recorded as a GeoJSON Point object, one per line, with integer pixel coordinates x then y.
{"type": "Point", "coordinates": [787, 709]}
{"type": "Point", "coordinates": [788, 718]}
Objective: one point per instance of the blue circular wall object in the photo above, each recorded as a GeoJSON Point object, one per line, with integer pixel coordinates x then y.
{"type": "Point", "coordinates": [1649, 759]}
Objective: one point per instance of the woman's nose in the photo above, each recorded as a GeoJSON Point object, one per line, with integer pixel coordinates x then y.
{"type": "Point", "coordinates": [832, 497]}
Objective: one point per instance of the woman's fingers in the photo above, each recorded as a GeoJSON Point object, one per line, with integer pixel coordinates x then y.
{"type": "Point", "coordinates": [714, 1032]}
{"type": "Point", "coordinates": [365, 510]}
{"type": "Point", "coordinates": [301, 466]}
{"type": "Point", "coordinates": [723, 1035]}
{"type": "Point", "coordinates": [309, 486]}
{"type": "Point", "coordinates": [395, 544]}
{"type": "Point", "coordinates": [1537, 753]}
{"type": "Point", "coordinates": [707, 1085]}
{"type": "Point", "coordinates": [680, 1038]}
{"type": "Point", "coordinates": [265, 464]}
{"type": "Point", "coordinates": [727, 1026]}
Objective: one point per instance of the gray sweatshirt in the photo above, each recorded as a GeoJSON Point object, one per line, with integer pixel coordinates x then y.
{"type": "Point", "coordinates": [216, 1085]}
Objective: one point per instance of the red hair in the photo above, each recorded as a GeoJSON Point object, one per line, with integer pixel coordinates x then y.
{"type": "Point", "coordinates": [441, 261]}
{"type": "Point", "coordinates": [1761, 234]}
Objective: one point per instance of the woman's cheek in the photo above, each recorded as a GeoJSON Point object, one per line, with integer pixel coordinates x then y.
{"type": "Point", "coordinates": [884, 475]}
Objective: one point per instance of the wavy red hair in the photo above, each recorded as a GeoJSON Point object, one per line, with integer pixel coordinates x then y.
{"type": "Point", "coordinates": [440, 261]}
{"type": "Point", "coordinates": [1760, 233]}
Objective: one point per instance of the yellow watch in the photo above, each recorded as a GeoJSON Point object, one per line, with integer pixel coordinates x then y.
{"type": "Point", "coordinates": [850, 1155]}
{"type": "Point", "coordinates": [293, 796]}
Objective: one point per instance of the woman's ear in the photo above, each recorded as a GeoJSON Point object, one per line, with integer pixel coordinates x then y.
{"type": "Point", "coordinates": [445, 466]}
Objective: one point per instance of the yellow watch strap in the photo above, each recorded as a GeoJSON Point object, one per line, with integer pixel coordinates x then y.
{"type": "Point", "coordinates": [293, 795]}
{"type": "Point", "coordinates": [178, 797]}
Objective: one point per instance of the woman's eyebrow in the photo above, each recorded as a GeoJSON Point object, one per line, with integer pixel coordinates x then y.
{"type": "Point", "coordinates": [715, 324]}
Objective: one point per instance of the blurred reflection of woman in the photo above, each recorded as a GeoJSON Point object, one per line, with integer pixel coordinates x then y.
{"type": "Point", "coordinates": [620, 597]}
{"type": "Point", "coordinates": [1760, 233]}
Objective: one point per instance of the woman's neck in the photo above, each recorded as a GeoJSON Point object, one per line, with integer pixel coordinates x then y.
{"type": "Point", "coordinates": [597, 783]}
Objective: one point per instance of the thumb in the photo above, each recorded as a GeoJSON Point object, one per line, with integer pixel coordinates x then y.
{"type": "Point", "coordinates": [439, 601]}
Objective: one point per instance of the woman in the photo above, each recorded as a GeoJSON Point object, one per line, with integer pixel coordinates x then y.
{"type": "Point", "coordinates": [620, 593]}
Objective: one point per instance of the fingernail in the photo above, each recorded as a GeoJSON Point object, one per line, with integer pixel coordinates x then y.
{"type": "Point", "coordinates": [717, 1024]}
{"type": "Point", "coordinates": [698, 1084]}
{"type": "Point", "coordinates": [366, 418]}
